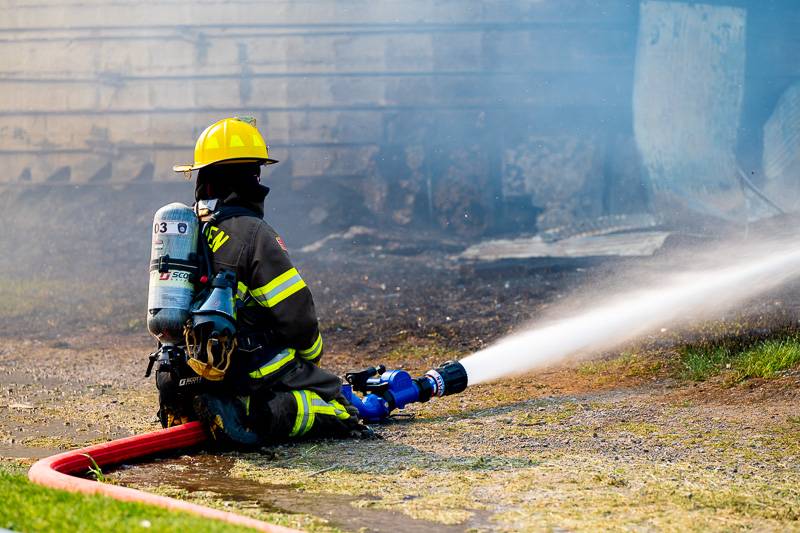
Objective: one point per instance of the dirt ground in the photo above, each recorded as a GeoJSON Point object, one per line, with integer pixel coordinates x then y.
{"type": "Point", "coordinates": [616, 444]}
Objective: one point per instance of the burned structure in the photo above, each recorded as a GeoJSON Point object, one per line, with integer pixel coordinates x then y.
{"type": "Point", "coordinates": [479, 117]}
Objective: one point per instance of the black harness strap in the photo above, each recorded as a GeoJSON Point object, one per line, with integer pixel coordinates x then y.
{"type": "Point", "coordinates": [229, 211]}
{"type": "Point", "coordinates": [165, 263]}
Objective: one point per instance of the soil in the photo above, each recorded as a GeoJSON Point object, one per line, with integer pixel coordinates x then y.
{"type": "Point", "coordinates": [600, 446]}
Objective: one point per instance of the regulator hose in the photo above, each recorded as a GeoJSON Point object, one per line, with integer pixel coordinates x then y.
{"type": "Point", "coordinates": [59, 471]}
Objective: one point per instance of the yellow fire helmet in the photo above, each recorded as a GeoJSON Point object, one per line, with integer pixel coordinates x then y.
{"type": "Point", "coordinates": [229, 140]}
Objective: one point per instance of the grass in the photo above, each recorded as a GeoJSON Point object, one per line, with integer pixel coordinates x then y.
{"type": "Point", "coordinates": [29, 507]}
{"type": "Point", "coordinates": [578, 491]}
{"type": "Point", "coordinates": [94, 469]}
{"type": "Point", "coordinates": [769, 358]}
{"type": "Point", "coordinates": [764, 359]}
{"type": "Point", "coordinates": [698, 363]}
{"type": "Point", "coordinates": [641, 496]}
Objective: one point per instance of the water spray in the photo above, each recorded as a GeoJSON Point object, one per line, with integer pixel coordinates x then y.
{"type": "Point", "coordinates": [626, 316]}
{"type": "Point", "coordinates": [617, 319]}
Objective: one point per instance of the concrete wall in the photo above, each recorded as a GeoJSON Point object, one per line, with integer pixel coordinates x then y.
{"type": "Point", "coordinates": [688, 93]}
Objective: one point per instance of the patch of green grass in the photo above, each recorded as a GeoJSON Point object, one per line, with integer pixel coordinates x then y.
{"type": "Point", "coordinates": [94, 469]}
{"type": "Point", "coordinates": [29, 507]}
{"type": "Point", "coordinates": [768, 358]}
{"type": "Point", "coordinates": [764, 359]}
{"type": "Point", "coordinates": [698, 363]}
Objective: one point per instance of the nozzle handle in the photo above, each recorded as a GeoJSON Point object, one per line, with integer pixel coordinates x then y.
{"type": "Point", "coordinates": [359, 379]}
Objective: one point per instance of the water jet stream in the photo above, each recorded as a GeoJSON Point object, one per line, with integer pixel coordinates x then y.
{"type": "Point", "coordinates": [673, 300]}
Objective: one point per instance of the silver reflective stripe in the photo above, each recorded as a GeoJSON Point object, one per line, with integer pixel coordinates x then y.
{"type": "Point", "coordinates": [263, 299]}
{"type": "Point", "coordinates": [274, 364]}
{"type": "Point", "coordinates": [283, 286]}
{"type": "Point", "coordinates": [318, 402]}
{"type": "Point", "coordinates": [306, 413]}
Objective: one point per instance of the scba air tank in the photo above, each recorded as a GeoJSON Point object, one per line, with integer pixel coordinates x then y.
{"type": "Point", "coordinates": [173, 268]}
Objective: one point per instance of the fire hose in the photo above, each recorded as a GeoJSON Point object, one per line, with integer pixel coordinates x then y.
{"type": "Point", "coordinates": [59, 471]}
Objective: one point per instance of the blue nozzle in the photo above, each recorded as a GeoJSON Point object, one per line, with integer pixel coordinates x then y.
{"type": "Point", "coordinates": [371, 409]}
{"type": "Point", "coordinates": [394, 389]}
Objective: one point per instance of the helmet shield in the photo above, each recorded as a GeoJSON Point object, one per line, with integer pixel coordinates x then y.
{"type": "Point", "coordinates": [229, 140]}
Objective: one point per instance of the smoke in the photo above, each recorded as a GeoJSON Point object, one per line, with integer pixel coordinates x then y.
{"type": "Point", "coordinates": [476, 118]}
{"type": "Point", "coordinates": [399, 113]}
{"type": "Point", "coordinates": [729, 276]}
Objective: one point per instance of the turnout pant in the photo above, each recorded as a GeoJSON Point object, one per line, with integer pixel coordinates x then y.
{"type": "Point", "coordinates": [303, 402]}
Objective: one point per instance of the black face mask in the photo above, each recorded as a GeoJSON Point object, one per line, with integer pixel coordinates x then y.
{"type": "Point", "coordinates": [220, 181]}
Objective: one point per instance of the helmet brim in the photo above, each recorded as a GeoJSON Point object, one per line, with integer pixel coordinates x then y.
{"type": "Point", "coordinates": [189, 167]}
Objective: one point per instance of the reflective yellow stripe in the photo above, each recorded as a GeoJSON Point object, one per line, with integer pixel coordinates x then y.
{"type": "Point", "coordinates": [272, 302]}
{"type": "Point", "coordinates": [310, 404]}
{"type": "Point", "coordinates": [301, 419]}
{"type": "Point", "coordinates": [332, 408]}
{"type": "Point", "coordinates": [274, 364]}
{"type": "Point", "coordinates": [309, 424]}
{"type": "Point", "coordinates": [275, 282]}
{"type": "Point", "coordinates": [305, 413]}
{"type": "Point", "coordinates": [341, 412]}
{"type": "Point", "coordinates": [314, 351]}
{"type": "Point", "coordinates": [279, 288]}
{"type": "Point", "coordinates": [322, 407]}
{"type": "Point", "coordinates": [242, 296]}
{"type": "Point", "coordinates": [241, 291]}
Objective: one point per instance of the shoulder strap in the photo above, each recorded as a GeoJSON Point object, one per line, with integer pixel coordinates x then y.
{"type": "Point", "coordinates": [223, 213]}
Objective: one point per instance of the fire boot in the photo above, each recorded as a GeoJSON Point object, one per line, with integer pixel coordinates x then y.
{"type": "Point", "coordinates": [225, 418]}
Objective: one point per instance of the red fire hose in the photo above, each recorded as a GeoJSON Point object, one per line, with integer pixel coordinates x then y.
{"type": "Point", "coordinates": [58, 472]}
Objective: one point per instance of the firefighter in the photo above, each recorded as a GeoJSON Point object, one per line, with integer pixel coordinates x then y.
{"type": "Point", "coordinates": [273, 388]}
